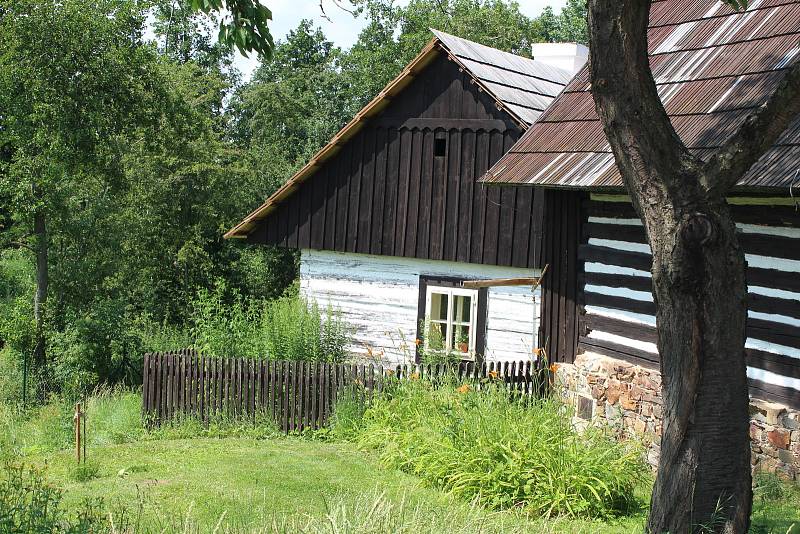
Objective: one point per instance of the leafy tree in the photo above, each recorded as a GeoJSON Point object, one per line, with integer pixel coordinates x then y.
{"type": "Point", "coordinates": [698, 271]}
{"type": "Point", "coordinates": [72, 80]}
{"type": "Point", "coordinates": [244, 24]}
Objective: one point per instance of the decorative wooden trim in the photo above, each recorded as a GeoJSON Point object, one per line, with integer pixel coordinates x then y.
{"type": "Point", "coordinates": [422, 123]}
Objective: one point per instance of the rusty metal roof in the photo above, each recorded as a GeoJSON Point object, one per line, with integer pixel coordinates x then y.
{"type": "Point", "coordinates": [713, 66]}
{"type": "Point", "coordinates": [521, 86]}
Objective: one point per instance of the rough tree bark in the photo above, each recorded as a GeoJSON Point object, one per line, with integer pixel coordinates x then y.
{"type": "Point", "coordinates": [698, 272]}
{"type": "Point", "coordinates": [42, 282]}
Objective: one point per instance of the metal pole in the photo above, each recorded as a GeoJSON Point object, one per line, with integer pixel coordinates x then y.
{"type": "Point", "coordinates": [24, 379]}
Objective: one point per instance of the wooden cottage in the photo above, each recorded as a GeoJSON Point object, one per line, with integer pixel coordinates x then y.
{"type": "Point", "coordinates": [390, 219]}
{"type": "Point", "coordinates": [713, 67]}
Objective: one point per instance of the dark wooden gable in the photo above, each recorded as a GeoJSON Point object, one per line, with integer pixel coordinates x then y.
{"type": "Point", "coordinates": [405, 185]}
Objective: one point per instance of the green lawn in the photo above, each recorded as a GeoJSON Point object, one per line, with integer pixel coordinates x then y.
{"type": "Point", "coordinates": [255, 483]}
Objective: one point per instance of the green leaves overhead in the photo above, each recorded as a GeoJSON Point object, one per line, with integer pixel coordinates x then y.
{"type": "Point", "coordinates": [739, 5]}
{"type": "Point", "coordinates": [243, 24]}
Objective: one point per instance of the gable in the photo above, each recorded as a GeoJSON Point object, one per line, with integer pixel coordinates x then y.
{"type": "Point", "coordinates": [405, 184]}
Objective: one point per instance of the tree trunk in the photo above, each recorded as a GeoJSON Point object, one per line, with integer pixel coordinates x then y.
{"type": "Point", "coordinates": [42, 281]}
{"type": "Point", "coordinates": [699, 288]}
{"type": "Point", "coordinates": [704, 480]}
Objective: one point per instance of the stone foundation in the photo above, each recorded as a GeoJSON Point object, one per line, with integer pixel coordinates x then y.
{"type": "Point", "coordinates": [627, 398]}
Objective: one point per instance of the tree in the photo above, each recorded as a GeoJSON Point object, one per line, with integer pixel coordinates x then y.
{"type": "Point", "coordinates": [243, 24]}
{"type": "Point", "coordinates": [70, 83]}
{"type": "Point", "coordinates": [698, 271]}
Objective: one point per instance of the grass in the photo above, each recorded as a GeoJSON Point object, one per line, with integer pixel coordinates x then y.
{"type": "Point", "coordinates": [250, 479]}
{"type": "Point", "coordinates": [253, 484]}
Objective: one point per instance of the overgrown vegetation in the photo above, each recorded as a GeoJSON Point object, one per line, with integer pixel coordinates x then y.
{"type": "Point", "coordinates": [482, 444]}
{"type": "Point", "coordinates": [288, 328]}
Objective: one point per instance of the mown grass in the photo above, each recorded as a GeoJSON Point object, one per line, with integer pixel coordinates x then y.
{"type": "Point", "coordinates": [255, 485]}
{"type": "Point", "coordinates": [247, 478]}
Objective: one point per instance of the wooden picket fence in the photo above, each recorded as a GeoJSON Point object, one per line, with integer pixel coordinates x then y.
{"type": "Point", "coordinates": [297, 395]}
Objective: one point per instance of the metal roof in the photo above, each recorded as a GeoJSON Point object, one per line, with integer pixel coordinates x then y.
{"type": "Point", "coordinates": [713, 67]}
{"type": "Point", "coordinates": [521, 86]}
{"type": "Point", "coordinates": [525, 86]}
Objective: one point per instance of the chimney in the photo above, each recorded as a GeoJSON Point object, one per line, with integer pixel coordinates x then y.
{"type": "Point", "coordinates": [566, 56]}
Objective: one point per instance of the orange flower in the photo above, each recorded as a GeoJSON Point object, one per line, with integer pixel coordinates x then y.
{"type": "Point", "coordinates": [389, 372]}
{"type": "Point", "coordinates": [493, 374]}
{"type": "Point", "coordinates": [553, 367]}
{"type": "Point", "coordinates": [414, 376]}
{"type": "Point", "coordinates": [417, 341]}
{"type": "Point", "coordinates": [537, 351]}
{"type": "Point", "coordinates": [463, 389]}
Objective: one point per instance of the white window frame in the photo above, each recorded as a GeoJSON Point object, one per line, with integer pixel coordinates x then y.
{"type": "Point", "coordinates": [450, 323]}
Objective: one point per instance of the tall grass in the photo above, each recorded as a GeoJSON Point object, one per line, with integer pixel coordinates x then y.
{"type": "Point", "coordinates": [113, 416]}
{"type": "Point", "coordinates": [287, 328]}
{"type": "Point", "coordinates": [503, 452]}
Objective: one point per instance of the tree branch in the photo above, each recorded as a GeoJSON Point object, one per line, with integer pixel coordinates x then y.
{"type": "Point", "coordinates": [753, 138]}
{"type": "Point", "coordinates": [636, 125]}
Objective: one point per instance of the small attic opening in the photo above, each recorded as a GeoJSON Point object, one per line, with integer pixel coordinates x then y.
{"type": "Point", "coordinates": [440, 148]}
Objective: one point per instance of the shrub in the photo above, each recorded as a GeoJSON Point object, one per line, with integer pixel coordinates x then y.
{"type": "Point", "coordinates": [482, 444]}
{"type": "Point", "coordinates": [29, 504]}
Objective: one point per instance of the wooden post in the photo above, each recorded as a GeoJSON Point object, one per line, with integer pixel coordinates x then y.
{"type": "Point", "coordinates": [77, 421]}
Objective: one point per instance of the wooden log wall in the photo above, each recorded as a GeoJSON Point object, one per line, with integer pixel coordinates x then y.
{"type": "Point", "coordinates": [296, 395]}
{"type": "Point", "coordinates": [618, 316]}
{"type": "Point", "coordinates": [559, 314]}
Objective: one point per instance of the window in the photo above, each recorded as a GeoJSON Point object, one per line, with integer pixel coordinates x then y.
{"type": "Point", "coordinates": [452, 319]}
{"type": "Point", "coordinates": [440, 147]}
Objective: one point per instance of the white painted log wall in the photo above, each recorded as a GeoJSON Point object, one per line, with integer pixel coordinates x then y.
{"type": "Point", "coordinates": [378, 295]}
{"type": "Point", "coordinates": [753, 260]}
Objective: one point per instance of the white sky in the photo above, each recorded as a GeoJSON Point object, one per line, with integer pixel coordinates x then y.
{"type": "Point", "coordinates": [342, 28]}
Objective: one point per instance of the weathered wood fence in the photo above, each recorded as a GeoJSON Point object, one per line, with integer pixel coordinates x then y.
{"type": "Point", "coordinates": [297, 395]}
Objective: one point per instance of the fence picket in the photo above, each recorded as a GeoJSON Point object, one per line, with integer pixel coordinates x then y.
{"type": "Point", "coordinates": [297, 395]}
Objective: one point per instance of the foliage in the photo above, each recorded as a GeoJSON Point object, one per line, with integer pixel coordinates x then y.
{"type": "Point", "coordinates": [247, 28]}
{"type": "Point", "coordinates": [29, 504]}
{"type": "Point", "coordinates": [141, 156]}
{"type": "Point", "coordinates": [225, 324]}
{"type": "Point", "coordinates": [504, 452]}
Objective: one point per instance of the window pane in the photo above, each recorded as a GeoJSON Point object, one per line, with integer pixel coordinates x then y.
{"type": "Point", "coordinates": [461, 338]}
{"type": "Point", "coordinates": [438, 311]}
{"type": "Point", "coordinates": [462, 308]}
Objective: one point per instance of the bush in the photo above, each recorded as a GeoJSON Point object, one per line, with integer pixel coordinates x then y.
{"type": "Point", "coordinates": [504, 452]}
{"type": "Point", "coordinates": [225, 324]}
{"type": "Point", "coordinates": [29, 504]}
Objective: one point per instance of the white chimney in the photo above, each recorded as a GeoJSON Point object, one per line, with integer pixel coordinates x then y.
{"type": "Point", "coordinates": [566, 56]}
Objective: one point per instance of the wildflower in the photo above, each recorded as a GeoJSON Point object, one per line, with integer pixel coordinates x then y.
{"type": "Point", "coordinates": [389, 372]}
{"type": "Point", "coordinates": [417, 342]}
{"type": "Point", "coordinates": [493, 374]}
{"type": "Point", "coordinates": [414, 376]}
{"type": "Point", "coordinates": [463, 389]}
{"type": "Point", "coordinates": [369, 351]}
{"type": "Point", "coordinates": [536, 351]}
{"type": "Point", "coordinates": [553, 367]}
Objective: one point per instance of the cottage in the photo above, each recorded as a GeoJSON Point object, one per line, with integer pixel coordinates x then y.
{"type": "Point", "coordinates": [712, 67]}
{"type": "Point", "coordinates": [390, 219]}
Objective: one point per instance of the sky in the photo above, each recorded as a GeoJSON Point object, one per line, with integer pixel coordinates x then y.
{"type": "Point", "coordinates": [342, 28]}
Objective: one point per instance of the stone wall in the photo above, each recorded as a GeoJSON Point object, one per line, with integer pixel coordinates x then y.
{"type": "Point", "coordinates": [627, 398]}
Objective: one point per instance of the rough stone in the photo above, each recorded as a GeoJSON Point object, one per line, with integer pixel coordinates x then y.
{"type": "Point", "coordinates": [779, 438]}
{"type": "Point", "coordinates": [627, 403]}
{"type": "Point", "coordinates": [628, 400]}
{"type": "Point", "coordinates": [786, 456]}
{"type": "Point", "coordinates": [639, 426]}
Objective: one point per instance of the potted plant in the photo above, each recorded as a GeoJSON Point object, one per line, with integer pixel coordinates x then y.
{"type": "Point", "coordinates": [463, 341]}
